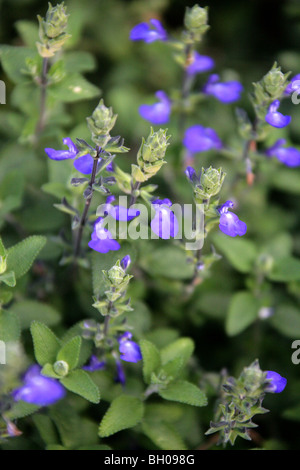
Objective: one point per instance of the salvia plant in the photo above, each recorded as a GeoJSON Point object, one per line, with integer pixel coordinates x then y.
{"type": "Point", "coordinates": [146, 279]}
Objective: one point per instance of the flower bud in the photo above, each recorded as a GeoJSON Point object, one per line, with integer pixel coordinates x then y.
{"type": "Point", "coordinates": [55, 22]}
{"type": "Point", "coordinates": [101, 121]}
{"type": "Point", "coordinates": [61, 368]}
{"type": "Point", "coordinates": [150, 156]}
{"type": "Point", "coordinates": [195, 20]}
{"type": "Point", "coordinates": [116, 275]}
{"type": "Point", "coordinates": [52, 30]}
{"type": "Point", "coordinates": [211, 181]}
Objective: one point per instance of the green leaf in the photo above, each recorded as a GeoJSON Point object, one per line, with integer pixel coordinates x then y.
{"type": "Point", "coordinates": [163, 435]}
{"type": "Point", "coordinates": [70, 352]}
{"type": "Point", "coordinates": [48, 371]}
{"type": "Point", "coordinates": [184, 392]}
{"type": "Point", "coordinates": [68, 423]}
{"type": "Point", "coordinates": [240, 253]}
{"type": "Point", "coordinates": [172, 368]}
{"type": "Point", "coordinates": [46, 344]}
{"type": "Point", "coordinates": [46, 428]}
{"type": "Point", "coordinates": [182, 347]}
{"type": "Point", "coordinates": [286, 320]}
{"type": "Point", "coordinates": [9, 326]}
{"type": "Point", "coordinates": [124, 412]}
{"type": "Point", "coordinates": [30, 310]}
{"type": "Point", "coordinates": [13, 61]}
{"type": "Point", "coordinates": [74, 87]}
{"type": "Point", "coordinates": [21, 256]}
{"type": "Point", "coordinates": [168, 262]}
{"type": "Point", "coordinates": [86, 345]}
{"type": "Point", "coordinates": [285, 270]}
{"type": "Point", "coordinates": [56, 189]}
{"type": "Point", "coordinates": [79, 382]}
{"type": "Point", "coordinates": [79, 61]}
{"type": "Point", "coordinates": [243, 310]}
{"type": "Point", "coordinates": [20, 409]}
{"type": "Point", "coordinates": [151, 359]}
{"type": "Point", "coordinates": [8, 278]}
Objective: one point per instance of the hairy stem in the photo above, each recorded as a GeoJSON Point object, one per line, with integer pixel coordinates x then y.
{"type": "Point", "coordinates": [43, 84]}
{"type": "Point", "coordinates": [83, 218]}
{"type": "Point", "coordinates": [133, 197]}
{"type": "Point", "coordinates": [185, 88]}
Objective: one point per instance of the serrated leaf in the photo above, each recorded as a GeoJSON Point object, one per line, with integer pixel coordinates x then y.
{"type": "Point", "coordinates": [8, 278]}
{"type": "Point", "coordinates": [285, 269]}
{"type": "Point", "coordinates": [46, 428]}
{"type": "Point", "coordinates": [46, 345]}
{"type": "Point", "coordinates": [13, 59]}
{"type": "Point", "coordinates": [21, 256]}
{"type": "Point", "coordinates": [30, 310]}
{"type": "Point", "coordinates": [9, 326]}
{"type": "Point", "coordinates": [70, 352]}
{"type": "Point", "coordinates": [170, 262]}
{"type": "Point", "coordinates": [163, 435]}
{"type": "Point", "coordinates": [184, 392]}
{"type": "Point", "coordinates": [48, 371]}
{"type": "Point", "coordinates": [286, 320]}
{"type": "Point", "coordinates": [79, 382]}
{"type": "Point", "coordinates": [243, 311]}
{"type": "Point", "coordinates": [182, 347]}
{"type": "Point", "coordinates": [68, 423]}
{"type": "Point", "coordinates": [240, 253]}
{"type": "Point", "coordinates": [124, 412]}
{"type": "Point", "coordinates": [151, 359]}
{"type": "Point", "coordinates": [172, 368]}
{"type": "Point", "coordinates": [20, 409]}
{"type": "Point", "coordinates": [74, 87]}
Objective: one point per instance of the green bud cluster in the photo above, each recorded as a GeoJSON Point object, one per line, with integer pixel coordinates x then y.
{"type": "Point", "coordinates": [210, 185]}
{"type": "Point", "coordinates": [116, 283]}
{"type": "Point", "coordinates": [241, 400]}
{"type": "Point", "coordinates": [195, 21]}
{"type": "Point", "coordinates": [100, 124]}
{"type": "Point", "coordinates": [52, 30]}
{"type": "Point", "coordinates": [150, 157]}
{"type": "Point", "coordinates": [269, 89]}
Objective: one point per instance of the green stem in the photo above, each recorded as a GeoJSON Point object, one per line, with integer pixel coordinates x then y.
{"type": "Point", "coordinates": [83, 218]}
{"type": "Point", "coordinates": [43, 84]}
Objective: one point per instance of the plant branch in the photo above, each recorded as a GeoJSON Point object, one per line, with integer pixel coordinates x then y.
{"type": "Point", "coordinates": [43, 85]}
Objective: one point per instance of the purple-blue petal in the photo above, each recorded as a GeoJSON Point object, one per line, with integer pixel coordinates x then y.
{"type": "Point", "coordinates": [226, 92]}
{"type": "Point", "coordinates": [157, 113]}
{"type": "Point", "coordinates": [231, 225]}
{"type": "Point", "coordinates": [200, 64]}
{"type": "Point", "coordinates": [277, 382]}
{"type": "Point", "coordinates": [164, 224]}
{"type": "Point", "coordinates": [277, 119]}
{"type": "Point", "coordinates": [94, 364]}
{"type": "Point", "coordinates": [84, 164]}
{"type": "Point", "coordinates": [149, 32]}
{"type": "Point", "coordinates": [130, 351]}
{"type": "Point", "coordinates": [38, 389]}
{"type": "Point", "coordinates": [125, 262]}
{"type": "Point", "coordinates": [104, 246]}
{"type": "Point", "coordinates": [63, 154]}
{"type": "Point", "coordinates": [199, 139]}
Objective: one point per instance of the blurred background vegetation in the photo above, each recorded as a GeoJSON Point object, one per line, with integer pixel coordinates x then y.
{"type": "Point", "coordinates": [245, 39]}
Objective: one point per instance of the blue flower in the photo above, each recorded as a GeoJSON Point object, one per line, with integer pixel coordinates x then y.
{"type": "Point", "coordinates": [277, 383]}
{"type": "Point", "coordinates": [102, 240]}
{"type": "Point", "coordinates": [38, 389]}
{"type": "Point", "coordinates": [275, 118]}
{"type": "Point", "coordinates": [125, 262]}
{"type": "Point", "coordinates": [121, 377]}
{"type": "Point", "coordinates": [289, 156]}
{"type": "Point", "coordinates": [119, 212]}
{"type": "Point", "coordinates": [82, 164]}
{"type": "Point", "coordinates": [199, 64]}
{"type": "Point", "coordinates": [199, 139]}
{"type": "Point", "coordinates": [149, 32]}
{"type": "Point", "coordinates": [94, 364]}
{"type": "Point", "coordinates": [158, 113]}
{"type": "Point", "coordinates": [226, 92]}
{"type": "Point", "coordinates": [130, 351]}
{"type": "Point", "coordinates": [229, 222]}
{"type": "Point", "coordinates": [164, 224]}
{"type": "Point", "coordinates": [294, 85]}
